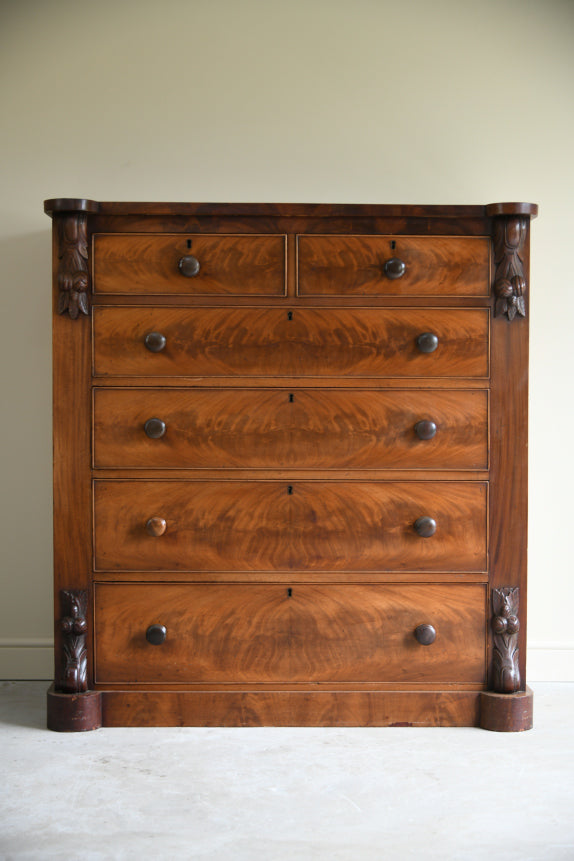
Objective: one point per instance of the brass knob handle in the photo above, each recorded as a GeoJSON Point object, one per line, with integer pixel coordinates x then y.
{"type": "Point", "coordinates": [155, 342]}
{"type": "Point", "coordinates": [395, 268]}
{"type": "Point", "coordinates": [425, 429]}
{"type": "Point", "coordinates": [156, 634]}
{"type": "Point", "coordinates": [156, 526]}
{"type": "Point", "coordinates": [154, 428]}
{"type": "Point", "coordinates": [425, 526]}
{"type": "Point", "coordinates": [425, 634]}
{"type": "Point", "coordinates": [427, 342]}
{"type": "Point", "coordinates": [189, 266]}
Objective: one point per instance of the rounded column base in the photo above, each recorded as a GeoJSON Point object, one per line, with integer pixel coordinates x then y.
{"type": "Point", "coordinates": [506, 712]}
{"type": "Point", "coordinates": [74, 712]}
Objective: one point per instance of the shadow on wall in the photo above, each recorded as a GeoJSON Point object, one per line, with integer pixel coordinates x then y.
{"type": "Point", "coordinates": [25, 438]}
{"type": "Point", "coordinates": [25, 351]}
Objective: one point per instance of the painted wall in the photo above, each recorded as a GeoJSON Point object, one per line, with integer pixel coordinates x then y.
{"type": "Point", "coordinates": [254, 100]}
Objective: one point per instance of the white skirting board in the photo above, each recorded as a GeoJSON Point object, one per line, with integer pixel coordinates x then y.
{"type": "Point", "coordinates": [550, 662]}
{"type": "Point", "coordinates": [26, 659]}
{"type": "Point", "coordinates": [32, 659]}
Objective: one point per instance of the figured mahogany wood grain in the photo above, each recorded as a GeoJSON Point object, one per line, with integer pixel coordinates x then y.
{"type": "Point", "coordinates": [303, 429]}
{"type": "Point", "coordinates": [291, 708]}
{"type": "Point", "coordinates": [299, 525]}
{"type": "Point", "coordinates": [279, 342]}
{"type": "Point", "coordinates": [355, 265]}
{"type": "Point", "coordinates": [148, 263]}
{"type": "Point", "coordinates": [270, 634]}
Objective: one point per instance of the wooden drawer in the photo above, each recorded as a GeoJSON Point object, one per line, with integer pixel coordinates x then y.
{"type": "Point", "coordinates": [304, 428]}
{"type": "Point", "coordinates": [306, 634]}
{"type": "Point", "coordinates": [296, 526]}
{"type": "Point", "coordinates": [149, 263]}
{"type": "Point", "coordinates": [302, 342]}
{"type": "Point", "coordinates": [359, 266]}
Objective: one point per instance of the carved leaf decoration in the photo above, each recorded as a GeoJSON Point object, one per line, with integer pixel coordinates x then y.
{"type": "Point", "coordinates": [73, 268]}
{"type": "Point", "coordinates": [62, 303]}
{"type": "Point", "coordinates": [73, 625]}
{"type": "Point", "coordinates": [509, 281]}
{"type": "Point", "coordinates": [83, 303]}
{"type": "Point", "coordinates": [506, 673]}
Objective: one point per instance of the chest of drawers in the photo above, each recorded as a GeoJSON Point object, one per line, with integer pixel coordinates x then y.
{"type": "Point", "coordinates": [290, 465]}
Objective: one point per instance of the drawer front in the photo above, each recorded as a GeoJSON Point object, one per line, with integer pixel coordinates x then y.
{"type": "Point", "coordinates": [304, 429]}
{"type": "Point", "coordinates": [297, 526]}
{"type": "Point", "coordinates": [304, 342]}
{"type": "Point", "coordinates": [270, 634]}
{"type": "Point", "coordinates": [226, 265]}
{"type": "Point", "coordinates": [415, 266]}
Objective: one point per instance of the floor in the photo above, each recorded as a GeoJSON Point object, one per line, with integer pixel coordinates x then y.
{"type": "Point", "coordinates": [286, 794]}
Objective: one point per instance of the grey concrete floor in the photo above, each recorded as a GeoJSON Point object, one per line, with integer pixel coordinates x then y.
{"type": "Point", "coordinates": [298, 794]}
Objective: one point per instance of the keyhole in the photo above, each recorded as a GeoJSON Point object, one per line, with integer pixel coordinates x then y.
{"type": "Point", "coordinates": [393, 245]}
{"type": "Point", "coordinates": [189, 243]}
{"type": "Point", "coordinates": [290, 489]}
{"type": "Point", "coordinates": [289, 592]}
{"type": "Point", "coordinates": [291, 398]}
{"type": "Point", "coordinates": [289, 315]}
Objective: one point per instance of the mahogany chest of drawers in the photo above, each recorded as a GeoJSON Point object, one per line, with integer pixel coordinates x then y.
{"type": "Point", "coordinates": [290, 464]}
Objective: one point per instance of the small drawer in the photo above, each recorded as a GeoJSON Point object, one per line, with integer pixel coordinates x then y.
{"type": "Point", "coordinates": [303, 525]}
{"type": "Point", "coordinates": [301, 342]}
{"type": "Point", "coordinates": [223, 428]}
{"type": "Point", "coordinates": [393, 266]}
{"type": "Point", "coordinates": [190, 264]}
{"type": "Point", "coordinates": [268, 634]}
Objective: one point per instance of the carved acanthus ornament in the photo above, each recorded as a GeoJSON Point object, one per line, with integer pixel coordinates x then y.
{"type": "Point", "coordinates": [73, 624]}
{"type": "Point", "coordinates": [505, 625]}
{"type": "Point", "coordinates": [73, 265]}
{"type": "Point", "coordinates": [509, 281]}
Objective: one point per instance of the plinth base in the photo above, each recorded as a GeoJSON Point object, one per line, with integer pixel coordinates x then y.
{"type": "Point", "coordinates": [506, 712]}
{"type": "Point", "coordinates": [74, 712]}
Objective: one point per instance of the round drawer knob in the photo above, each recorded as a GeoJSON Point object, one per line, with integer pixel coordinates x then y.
{"type": "Point", "coordinates": [155, 342]}
{"type": "Point", "coordinates": [427, 342]}
{"type": "Point", "coordinates": [156, 634]}
{"type": "Point", "coordinates": [425, 429]}
{"type": "Point", "coordinates": [425, 634]}
{"type": "Point", "coordinates": [155, 526]}
{"type": "Point", "coordinates": [425, 527]}
{"type": "Point", "coordinates": [154, 428]}
{"type": "Point", "coordinates": [395, 268]}
{"type": "Point", "coordinates": [189, 266]}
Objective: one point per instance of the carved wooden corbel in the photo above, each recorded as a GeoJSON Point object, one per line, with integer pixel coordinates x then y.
{"type": "Point", "coordinates": [505, 625]}
{"type": "Point", "coordinates": [73, 625]}
{"type": "Point", "coordinates": [509, 280]}
{"type": "Point", "coordinates": [73, 264]}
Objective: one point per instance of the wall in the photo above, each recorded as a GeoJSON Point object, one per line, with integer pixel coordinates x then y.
{"type": "Point", "coordinates": [255, 100]}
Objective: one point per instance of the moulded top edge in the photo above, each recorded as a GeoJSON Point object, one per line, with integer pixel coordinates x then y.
{"type": "Point", "coordinates": [309, 210]}
{"type": "Point", "coordinates": [530, 209]}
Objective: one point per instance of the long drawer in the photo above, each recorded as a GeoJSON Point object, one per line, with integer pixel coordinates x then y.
{"type": "Point", "coordinates": [303, 342]}
{"type": "Point", "coordinates": [238, 633]}
{"type": "Point", "coordinates": [393, 265]}
{"type": "Point", "coordinates": [196, 264]}
{"type": "Point", "coordinates": [154, 525]}
{"type": "Point", "coordinates": [305, 428]}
